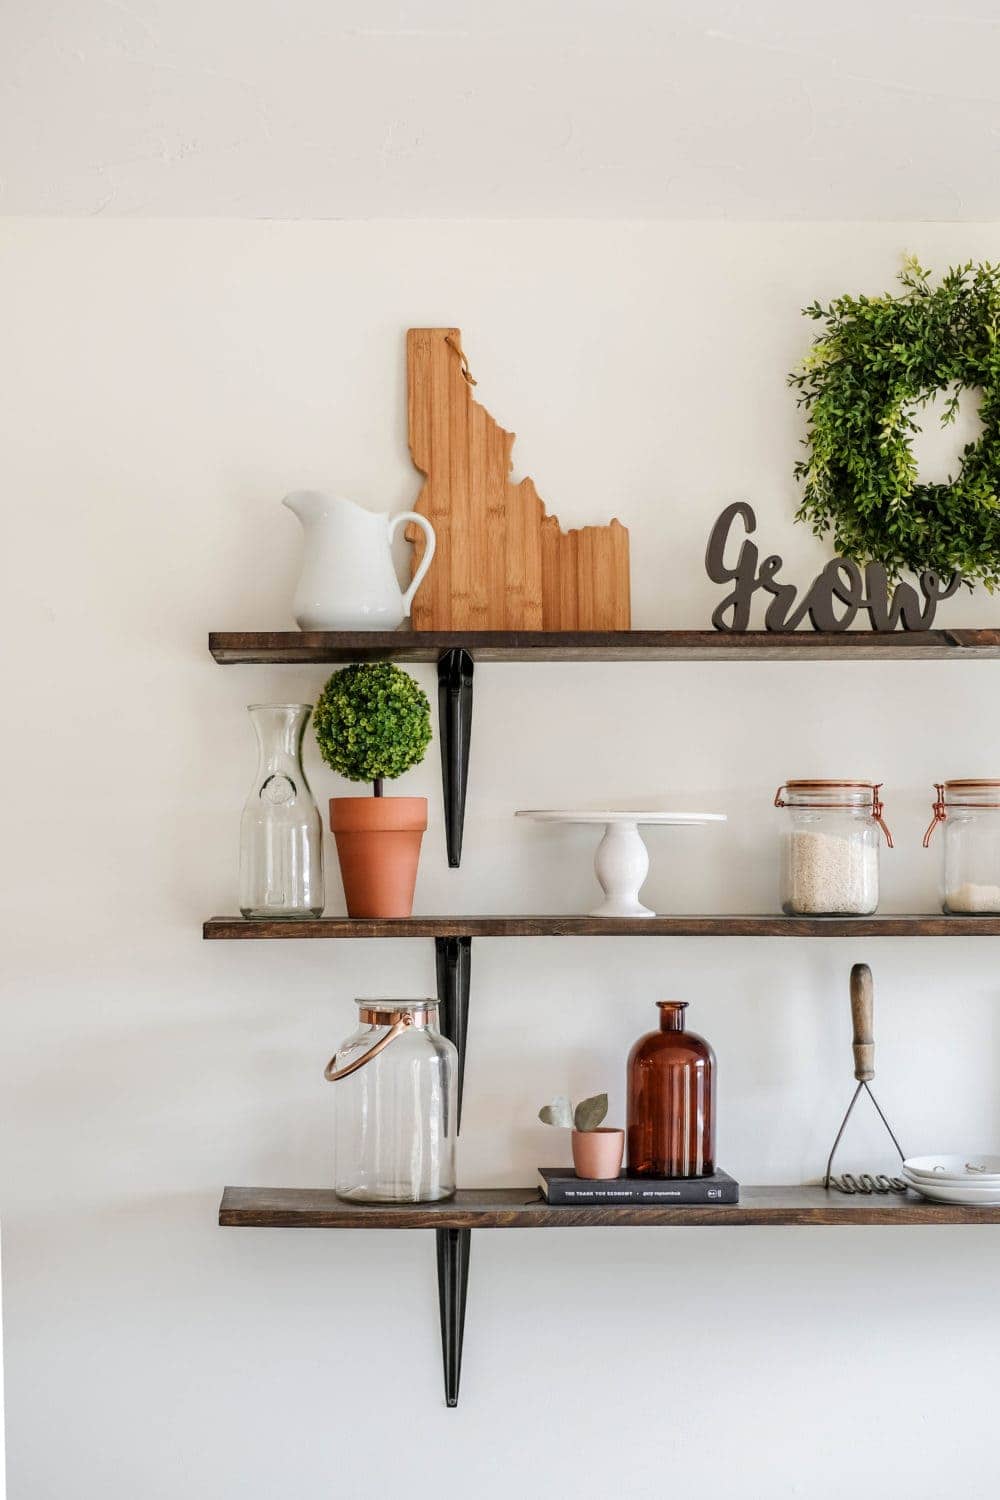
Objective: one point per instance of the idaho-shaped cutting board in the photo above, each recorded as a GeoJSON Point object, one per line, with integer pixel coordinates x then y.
{"type": "Point", "coordinates": [502, 563]}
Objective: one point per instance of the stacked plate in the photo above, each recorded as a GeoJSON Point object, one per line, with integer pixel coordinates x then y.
{"type": "Point", "coordinates": [955, 1179]}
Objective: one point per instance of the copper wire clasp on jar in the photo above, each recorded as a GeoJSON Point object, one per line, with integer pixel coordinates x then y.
{"type": "Point", "coordinates": [830, 853]}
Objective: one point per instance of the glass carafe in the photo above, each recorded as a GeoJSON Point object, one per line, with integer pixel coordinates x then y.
{"type": "Point", "coordinates": [396, 1102]}
{"type": "Point", "coordinates": [281, 834]}
{"type": "Point", "coordinates": [671, 1123]}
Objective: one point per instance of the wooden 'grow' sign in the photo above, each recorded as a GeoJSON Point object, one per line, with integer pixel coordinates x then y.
{"type": "Point", "coordinates": [832, 601]}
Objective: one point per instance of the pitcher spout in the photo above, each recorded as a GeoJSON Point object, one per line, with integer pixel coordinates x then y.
{"type": "Point", "coordinates": [306, 504]}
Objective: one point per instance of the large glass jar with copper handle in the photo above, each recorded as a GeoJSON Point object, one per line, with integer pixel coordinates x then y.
{"type": "Point", "coordinates": [830, 847]}
{"type": "Point", "coordinates": [970, 863]}
{"type": "Point", "coordinates": [396, 1102]}
{"type": "Point", "coordinates": [671, 1082]}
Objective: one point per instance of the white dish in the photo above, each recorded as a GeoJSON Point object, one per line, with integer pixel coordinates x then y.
{"type": "Point", "coordinates": [954, 1168]}
{"type": "Point", "coordinates": [622, 859]}
{"type": "Point", "coordinates": [953, 1187]}
{"type": "Point", "coordinates": [942, 1192]}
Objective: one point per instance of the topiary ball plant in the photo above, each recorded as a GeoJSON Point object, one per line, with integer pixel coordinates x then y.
{"type": "Point", "coordinates": [372, 722]}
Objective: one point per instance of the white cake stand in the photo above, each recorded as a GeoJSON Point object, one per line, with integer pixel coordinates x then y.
{"type": "Point", "coordinates": [622, 859]}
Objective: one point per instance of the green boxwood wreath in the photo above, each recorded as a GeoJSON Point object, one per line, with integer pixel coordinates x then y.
{"type": "Point", "coordinates": [876, 363]}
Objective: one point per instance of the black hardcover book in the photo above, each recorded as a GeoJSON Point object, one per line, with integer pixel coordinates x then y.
{"type": "Point", "coordinates": [560, 1185]}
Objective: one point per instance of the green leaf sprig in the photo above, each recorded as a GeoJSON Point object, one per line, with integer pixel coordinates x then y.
{"type": "Point", "coordinates": [587, 1116]}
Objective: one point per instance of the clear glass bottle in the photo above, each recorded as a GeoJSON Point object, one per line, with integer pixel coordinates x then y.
{"type": "Point", "coordinates": [830, 847]}
{"type": "Point", "coordinates": [396, 1102]}
{"type": "Point", "coordinates": [970, 863]}
{"type": "Point", "coordinates": [281, 835]}
{"type": "Point", "coordinates": [671, 1078]}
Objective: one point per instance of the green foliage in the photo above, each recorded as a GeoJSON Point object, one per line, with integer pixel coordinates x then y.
{"type": "Point", "coordinates": [876, 363]}
{"type": "Point", "coordinates": [590, 1112]}
{"type": "Point", "coordinates": [372, 721]}
{"type": "Point", "coordinates": [587, 1116]}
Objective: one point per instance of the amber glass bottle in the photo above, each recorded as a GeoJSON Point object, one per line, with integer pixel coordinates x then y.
{"type": "Point", "coordinates": [671, 1126]}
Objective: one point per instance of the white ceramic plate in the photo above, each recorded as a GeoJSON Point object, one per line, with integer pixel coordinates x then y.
{"type": "Point", "coordinates": [941, 1192]}
{"type": "Point", "coordinates": [989, 1186]}
{"type": "Point", "coordinates": [553, 815]}
{"type": "Point", "coordinates": [953, 1168]}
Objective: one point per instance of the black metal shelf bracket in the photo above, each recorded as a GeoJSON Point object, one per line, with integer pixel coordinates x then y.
{"type": "Point", "coordinates": [453, 957]}
{"type": "Point", "coordinates": [453, 1246]}
{"type": "Point", "coordinates": [455, 719]}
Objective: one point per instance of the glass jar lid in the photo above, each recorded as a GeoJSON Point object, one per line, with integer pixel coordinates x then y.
{"type": "Point", "coordinates": [825, 793]}
{"type": "Point", "coordinates": [388, 1012]}
{"type": "Point", "coordinates": [971, 791]}
{"type": "Point", "coordinates": [848, 795]}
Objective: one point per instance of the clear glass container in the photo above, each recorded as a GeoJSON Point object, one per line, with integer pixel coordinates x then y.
{"type": "Point", "coordinates": [830, 847]}
{"type": "Point", "coordinates": [281, 834]}
{"type": "Point", "coordinates": [970, 862]}
{"type": "Point", "coordinates": [396, 1103]}
{"type": "Point", "coordinates": [671, 1078]}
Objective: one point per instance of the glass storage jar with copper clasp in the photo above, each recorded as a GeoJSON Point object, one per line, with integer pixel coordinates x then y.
{"type": "Point", "coordinates": [396, 1105]}
{"type": "Point", "coordinates": [970, 863]}
{"type": "Point", "coordinates": [830, 847]}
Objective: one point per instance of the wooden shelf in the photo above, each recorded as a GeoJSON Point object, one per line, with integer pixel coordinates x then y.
{"type": "Point", "coordinates": [323, 648]}
{"type": "Point", "coordinates": [522, 1208]}
{"type": "Point", "coordinates": [934, 925]}
{"type": "Point", "coordinates": [455, 654]}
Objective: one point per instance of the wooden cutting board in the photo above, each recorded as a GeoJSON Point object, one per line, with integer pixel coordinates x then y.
{"type": "Point", "coordinates": [502, 563]}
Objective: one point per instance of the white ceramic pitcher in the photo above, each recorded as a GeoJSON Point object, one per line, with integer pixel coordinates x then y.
{"type": "Point", "coordinates": [348, 581]}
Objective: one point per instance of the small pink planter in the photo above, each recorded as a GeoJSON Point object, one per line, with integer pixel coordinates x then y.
{"type": "Point", "coordinates": [598, 1153]}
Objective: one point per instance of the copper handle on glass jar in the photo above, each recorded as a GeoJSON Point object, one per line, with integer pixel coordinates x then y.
{"type": "Point", "coordinates": [863, 1040]}
{"type": "Point", "coordinates": [877, 810]}
{"type": "Point", "coordinates": [940, 812]}
{"type": "Point", "coordinates": [332, 1073]}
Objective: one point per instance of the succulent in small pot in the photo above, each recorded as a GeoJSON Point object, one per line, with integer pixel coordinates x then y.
{"type": "Point", "coordinates": [372, 723]}
{"type": "Point", "coordinates": [597, 1149]}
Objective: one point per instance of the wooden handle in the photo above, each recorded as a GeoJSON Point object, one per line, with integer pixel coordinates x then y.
{"type": "Point", "coordinates": [862, 1003]}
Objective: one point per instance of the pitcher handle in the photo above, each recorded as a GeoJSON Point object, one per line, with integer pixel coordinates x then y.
{"type": "Point", "coordinates": [430, 542]}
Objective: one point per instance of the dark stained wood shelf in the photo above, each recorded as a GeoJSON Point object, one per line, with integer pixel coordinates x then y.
{"type": "Point", "coordinates": [324, 648]}
{"type": "Point", "coordinates": [455, 655]}
{"type": "Point", "coordinates": [522, 1208]}
{"type": "Point", "coordinates": [932, 925]}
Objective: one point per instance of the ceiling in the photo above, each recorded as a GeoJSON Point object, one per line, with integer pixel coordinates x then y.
{"type": "Point", "coordinates": [525, 108]}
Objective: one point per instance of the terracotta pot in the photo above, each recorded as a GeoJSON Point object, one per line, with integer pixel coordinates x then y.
{"type": "Point", "coordinates": [378, 845]}
{"type": "Point", "coordinates": [598, 1153]}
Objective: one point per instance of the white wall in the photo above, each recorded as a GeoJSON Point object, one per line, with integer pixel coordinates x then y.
{"type": "Point", "coordinates": [163, 384]}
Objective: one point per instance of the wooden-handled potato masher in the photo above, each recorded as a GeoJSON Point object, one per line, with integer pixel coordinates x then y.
{"type": "Point", "coordinates": [862, 1006]}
